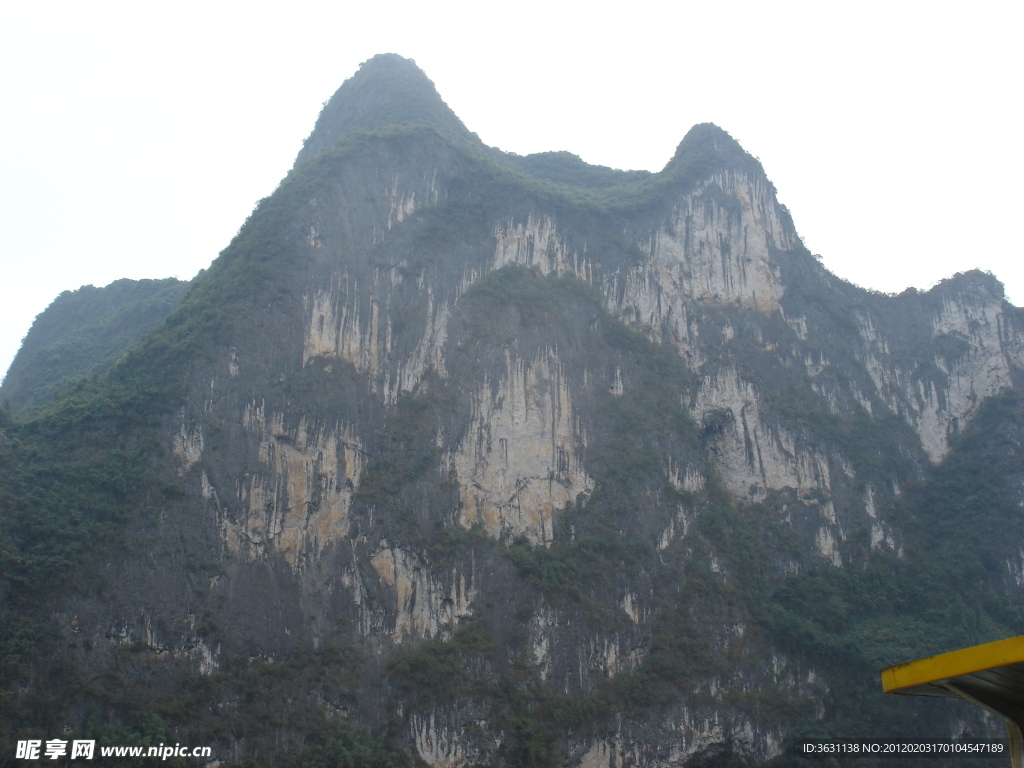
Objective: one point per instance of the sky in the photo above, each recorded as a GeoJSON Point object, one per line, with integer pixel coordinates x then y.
{"type": "Point", "coordinates": [135, 138]}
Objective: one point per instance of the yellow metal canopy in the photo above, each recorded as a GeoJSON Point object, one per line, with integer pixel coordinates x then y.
{"type": "Point", "coordinates": [989, 675]}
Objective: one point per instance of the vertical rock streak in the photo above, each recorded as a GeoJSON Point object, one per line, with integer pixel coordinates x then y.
{"type": "Point", "coordinates": [519, 459]}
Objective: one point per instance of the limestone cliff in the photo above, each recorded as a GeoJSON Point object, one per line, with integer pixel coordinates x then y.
{"type": "Point", "coordinates": [559, 452]}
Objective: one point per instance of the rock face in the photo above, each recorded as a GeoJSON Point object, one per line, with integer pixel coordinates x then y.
{"type": "Point", "coordinates": [520, 457]}
{"type": "Point", "coordinates": [479, 401]}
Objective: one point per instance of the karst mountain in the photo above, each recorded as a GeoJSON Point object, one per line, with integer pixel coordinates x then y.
{"type": "Point", "coordinates": [461, 458]}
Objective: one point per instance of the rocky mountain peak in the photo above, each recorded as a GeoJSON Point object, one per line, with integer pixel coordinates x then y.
{"type": "Point", "coordinates": [386, 90]}
{"type": "Point", "coordinates": [974, 281]}
{"type": "Point", "coordinates": [706, 148]}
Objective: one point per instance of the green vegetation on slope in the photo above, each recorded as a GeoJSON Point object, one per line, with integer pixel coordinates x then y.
{"type": "Point", "coordinates": [84, 332]}
{"type": "Point", "coordinates": [285, 713]}
{"type": "Point", "coordinates": [949, 590]}
{"type": "Point", "coordinates": [568, 169]}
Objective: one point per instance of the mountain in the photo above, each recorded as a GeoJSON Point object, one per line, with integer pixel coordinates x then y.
{"type": "Point", "coordinates": [84, 332]}
{"type": "Point", "coordinates": [467, 458]}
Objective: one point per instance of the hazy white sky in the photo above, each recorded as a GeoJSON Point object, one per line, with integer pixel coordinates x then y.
{"type": "Point", "coordinates": [136, 137]}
